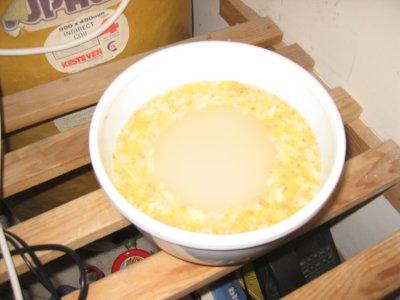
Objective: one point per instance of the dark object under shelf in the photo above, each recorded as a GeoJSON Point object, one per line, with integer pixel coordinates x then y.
{"type": "Point", "coordinates": [296, 263]}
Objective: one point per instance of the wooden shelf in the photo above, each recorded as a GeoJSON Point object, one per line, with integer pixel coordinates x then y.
{"type": "Point", "coordinates": [373, 167]}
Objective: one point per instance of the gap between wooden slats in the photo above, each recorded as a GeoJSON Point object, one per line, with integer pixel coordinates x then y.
{"type": "Point", "coordinates": [100, 218]}
{"type": "Point", "coordinates": [80, 90]}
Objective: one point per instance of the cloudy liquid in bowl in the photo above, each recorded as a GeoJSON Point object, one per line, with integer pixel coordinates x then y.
{"type": "Point", "coordinates": [217, 157]}
{"type": "Point", "coordinates": [214, 158]}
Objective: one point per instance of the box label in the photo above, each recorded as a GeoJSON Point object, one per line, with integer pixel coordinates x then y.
{"type": "Point", "coordinates": [95, 51]}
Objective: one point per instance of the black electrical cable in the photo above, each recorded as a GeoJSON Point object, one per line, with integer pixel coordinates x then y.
{"type": "Point", "coordinates": [83, 290]}
{"type": "Point", "coordinates": [44, 277]}
{"type": "Point", "coordinates": [37, 267]}
{"type": "Point", "coordinates": [36, 270]}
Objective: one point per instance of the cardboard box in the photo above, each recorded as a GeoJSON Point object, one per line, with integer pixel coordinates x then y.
{"type": "Point", "coordinates": [144, 25]}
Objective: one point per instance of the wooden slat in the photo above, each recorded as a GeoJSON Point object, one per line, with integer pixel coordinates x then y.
{"type": "Point", "coordinates": [24, 167]}
{"type": "Point", "coordinates": [360, 138]}
{"type": "Point", "coordinates": [372, 274]}
{"type": "Point", "coordinates": [298, 55]}
{"type": "Point", "coordinates": [45, 160]}
{"type": "Point", "coordinates": [236, 12]}
{"type": "Point", "coordinates": [349, 109]}
{"type": "Point", "coordinates": [100, 218]}
{"type": "Point", "coordinates": [61, 96]}
{"type": "Point", "coordinates": [365, 176]}
{"type": "Point", "coordinates": [160, 276]}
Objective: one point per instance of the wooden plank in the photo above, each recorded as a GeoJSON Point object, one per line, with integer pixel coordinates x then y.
{"type": "Point", "coordinates": [359, 183]}
{"type": "Point", "coordinates": [236, 12]}
{"type": "Point", "coordinates": [298, 55]}
{"type": "Point", "coordinates": [372, 274]}
{"type": "Point", "coordinates": [160, 276]}
{"type": "Point", "coordinates": [80, 90]}
{"type": "Point", "coordinates": [349, 109]}
{"type": "Point", "coordinates": [365, 176]}
{"type": "Point", "coordinates": [360, 138]}
{"type": "Point", "coordinates": [45, 160]}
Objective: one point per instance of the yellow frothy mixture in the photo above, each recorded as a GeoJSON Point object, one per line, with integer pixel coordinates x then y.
{"type": "Point", "coordinates": [217, 157]}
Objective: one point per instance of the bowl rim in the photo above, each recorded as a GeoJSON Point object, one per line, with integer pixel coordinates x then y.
{"type": "Point", "coordinates": [215, 241]}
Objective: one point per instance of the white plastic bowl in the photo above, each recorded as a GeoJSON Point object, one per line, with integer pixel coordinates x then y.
{"type": "Point", "coordinates": [216, 60]}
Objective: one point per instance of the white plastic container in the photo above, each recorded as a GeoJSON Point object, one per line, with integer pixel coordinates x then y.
{"type": "Point", "coordinates": [216, 60]}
